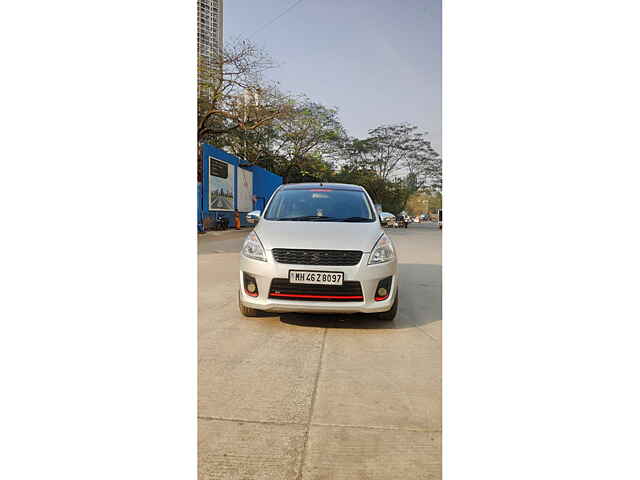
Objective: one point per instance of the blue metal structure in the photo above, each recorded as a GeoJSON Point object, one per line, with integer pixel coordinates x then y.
{"type": "Point", "coordinates": [264, 184]}
{"type": "Point", "coordinates": [200, 209]}
{"type": "Point", "coordinates": [267, 183]}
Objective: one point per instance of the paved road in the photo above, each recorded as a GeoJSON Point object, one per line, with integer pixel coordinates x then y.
{"type": "Point", "coordinates": [320, 396]}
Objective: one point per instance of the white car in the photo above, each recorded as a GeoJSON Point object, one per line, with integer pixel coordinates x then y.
{"type": "Point", "coordinates": [318, 248]}
{"type": "Point", "coordinates": [387, 219]}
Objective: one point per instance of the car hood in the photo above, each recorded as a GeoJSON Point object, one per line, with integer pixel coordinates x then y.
{"type": "Point", "coordinates": [318, 235]}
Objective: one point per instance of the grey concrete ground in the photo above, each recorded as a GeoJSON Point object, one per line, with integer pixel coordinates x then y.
{"type": "Point", "coordinates": [297, 396]}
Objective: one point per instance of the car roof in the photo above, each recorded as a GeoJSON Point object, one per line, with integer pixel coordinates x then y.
{"type": "Point", "coordinates": [336, 186]}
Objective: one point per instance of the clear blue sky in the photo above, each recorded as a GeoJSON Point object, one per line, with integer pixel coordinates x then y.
{"type": "Point", "coordinates": [377, 61]}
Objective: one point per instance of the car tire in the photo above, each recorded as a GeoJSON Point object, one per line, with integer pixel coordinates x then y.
{"type": "Point", "coordinates": [247, 311]}
{"type": "Point", "coordinates": [389, 315]}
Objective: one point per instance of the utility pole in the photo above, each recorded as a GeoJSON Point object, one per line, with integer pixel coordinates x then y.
{"type": "Point", "coordinates": [247, 95]}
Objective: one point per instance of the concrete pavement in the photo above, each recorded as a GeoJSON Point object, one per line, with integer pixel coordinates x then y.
{"type": "Point", "coordinates": [297, 396]}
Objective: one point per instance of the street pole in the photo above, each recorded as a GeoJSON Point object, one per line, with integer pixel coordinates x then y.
{"type": "Point", "coordinates": [244, 125]}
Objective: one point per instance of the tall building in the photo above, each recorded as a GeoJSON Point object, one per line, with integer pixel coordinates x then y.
{"type": "Point", "coordinates": [209, 35]}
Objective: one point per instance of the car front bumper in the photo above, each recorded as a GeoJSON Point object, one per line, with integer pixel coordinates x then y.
{"type": "Point", "coordinates": [367, 275]}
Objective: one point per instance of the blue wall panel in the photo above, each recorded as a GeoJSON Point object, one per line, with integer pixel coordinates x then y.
{"type": "Point", "coordinates": [264, 184]}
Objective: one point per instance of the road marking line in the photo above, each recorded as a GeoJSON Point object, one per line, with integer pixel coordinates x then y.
{"type": "Point", "coordinates": [312, 424]}
{"type": "Point", "coordinates": [377, 427]}
{"type": "Point", "coordinates": [241, 420]}
{"type": "Point", "coordinates": [313, 401]}
{"type": "Point", "coordinates": [427, 334]}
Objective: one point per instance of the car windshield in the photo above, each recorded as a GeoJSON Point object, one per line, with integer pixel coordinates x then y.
{"type": "Point", "coordinates": [320, 204]}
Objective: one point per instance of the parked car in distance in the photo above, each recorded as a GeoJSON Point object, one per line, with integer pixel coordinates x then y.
{"type": "Point", "coordinates": [387, 219]}
{"type": "Point", "coordinates": [318, 248]}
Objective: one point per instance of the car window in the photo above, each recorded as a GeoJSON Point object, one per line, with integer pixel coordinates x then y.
{"type": "Point", "coordinates": [320, 204]}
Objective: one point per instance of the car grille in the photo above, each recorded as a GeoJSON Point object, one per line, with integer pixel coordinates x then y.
{"type": "Point", "coordinates": [349, 291]}
{"type": "Point", "coordinates": [317, 257]}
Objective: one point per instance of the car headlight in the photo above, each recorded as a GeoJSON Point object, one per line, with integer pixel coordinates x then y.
{"type": "Point", "coordinates": [383, 251]}
{"type": "Point", "coordinates": [253, 248]}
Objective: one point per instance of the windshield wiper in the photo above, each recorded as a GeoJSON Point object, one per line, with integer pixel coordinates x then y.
{"type": "Point", "coordinates": [354, 219]}
{"type": "Point", "coordinates": [305, 218]}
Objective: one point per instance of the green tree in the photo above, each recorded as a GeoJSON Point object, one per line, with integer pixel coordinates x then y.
{"type": "Point", "coordinates": [233, 93]}
{"type": "Point", "coordinates": [387, 148]}
{"type": "Point", "coordinates": [387, 152]}
{"type": "Point", "coordinates": [307, 138]}
{"type": "Point", "coordinates": [296, 146]}
{"type": "Point", "coordinates": [424, 168]}
{"type": "Point", "coordinates": [310, 168]}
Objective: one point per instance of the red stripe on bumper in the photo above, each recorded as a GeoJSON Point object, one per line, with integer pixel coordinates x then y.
{"type": "Point", "coordinates": [313, 296]}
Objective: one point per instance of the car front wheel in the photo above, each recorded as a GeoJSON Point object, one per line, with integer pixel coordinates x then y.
{"type": "Point", "coordinates": [246, 311]}
{"type": "Point", "coordinates": [389, 315]}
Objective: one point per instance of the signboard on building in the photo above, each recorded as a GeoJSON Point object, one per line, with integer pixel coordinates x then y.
{"type": "Point", "coordinates": [245, 190]}
{"type": "Point", "coordinates": [221, 178]}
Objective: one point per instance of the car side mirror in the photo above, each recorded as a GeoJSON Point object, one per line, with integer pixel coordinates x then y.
{"type": "Point", "coordinates": [253, 217]}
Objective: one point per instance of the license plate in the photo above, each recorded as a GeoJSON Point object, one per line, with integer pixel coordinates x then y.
{"type": "Point", "coordinates": [316, 278]}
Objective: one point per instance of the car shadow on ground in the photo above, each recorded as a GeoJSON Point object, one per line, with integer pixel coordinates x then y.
{"type": "Point", "coordinates": [420, 304]}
